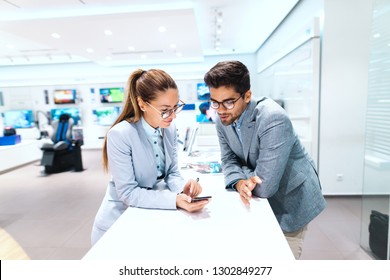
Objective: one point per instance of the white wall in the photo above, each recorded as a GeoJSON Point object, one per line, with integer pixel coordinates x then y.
{"type": "Point", "coordinates": [343, 86]}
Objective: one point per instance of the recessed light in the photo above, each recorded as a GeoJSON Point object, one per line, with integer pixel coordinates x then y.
{"type": "Point", "coordinates": [179, 54]}
{"type": "Point", "coordinates": [143, 56]}
{"type": "Point", "coordinates": [377, 35]}
{"type": "Point", "coordinates": [131, 48]}
{"type": "Point", "coordinates": [108, 32]}
{"type": "Point", "coordinates": [108, 58]}
{"type": "Point", "coordinates": [89, 50]}
{"type": "Point", "coordinates": [56, 35]}
{"type": "Point", "coordinates": [162, 29]}
{"type": "Point", "coordinates": [172, 46]}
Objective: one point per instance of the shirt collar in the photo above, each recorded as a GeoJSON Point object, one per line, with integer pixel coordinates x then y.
{"type": "Point", "coordinates": [238, 123]}
{"type": "Point", "coordinates": [150, 131]}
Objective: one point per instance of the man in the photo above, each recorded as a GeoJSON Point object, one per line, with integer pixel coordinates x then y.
{"type": "Point", "coordinates": [261, 154]}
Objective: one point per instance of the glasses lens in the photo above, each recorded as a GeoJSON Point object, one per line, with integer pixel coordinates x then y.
{"type": "Point", "coordinates": [179, 108]}
{"type": "Point", "coordinates": [228, 104]}
{"type": "Point", "coordinates": [214, 105]}
{"type": "Point", "coordinates": [166, 114]}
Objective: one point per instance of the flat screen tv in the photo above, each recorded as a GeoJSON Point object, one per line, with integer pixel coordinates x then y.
{"type": "Point", "coordinates": [64, 96]}
{"type": "Point", "coordinates": [202, 91]}
{"type": "Point", "coordinates": [19, 119]}
{"type": "Point", "coordinates": [73, 112]}
{"type": "Point", "coordinates": [106, 115]}
{"type": "Point", "coordinates": [111, 95]}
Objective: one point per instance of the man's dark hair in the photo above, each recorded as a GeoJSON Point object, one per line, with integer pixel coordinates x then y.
{"type": "Point", "coordinates": [231, 74]}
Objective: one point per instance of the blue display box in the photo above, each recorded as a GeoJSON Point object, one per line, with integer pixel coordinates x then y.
{"type": "Point", "coordinates": [9, 140]}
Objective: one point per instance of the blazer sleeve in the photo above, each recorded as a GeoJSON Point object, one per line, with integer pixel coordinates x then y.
{"type": "Point", "coordinates": [231, 163]}
{"type": "Point", "coordinates": [276, 139]}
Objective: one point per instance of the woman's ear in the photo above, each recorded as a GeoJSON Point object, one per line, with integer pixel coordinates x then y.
{"type": "Point", "coordinates": [141, 104]}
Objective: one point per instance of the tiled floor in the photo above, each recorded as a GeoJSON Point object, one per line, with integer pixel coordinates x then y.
{"type": "Point", "coordinates": [51, 217]}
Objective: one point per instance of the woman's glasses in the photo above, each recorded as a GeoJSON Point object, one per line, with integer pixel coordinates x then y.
{"type": "Point", "coordinates": [167, 113]}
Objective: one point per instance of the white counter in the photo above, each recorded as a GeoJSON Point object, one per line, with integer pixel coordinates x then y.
{"type": "Point", "coordinates": [224, 230]}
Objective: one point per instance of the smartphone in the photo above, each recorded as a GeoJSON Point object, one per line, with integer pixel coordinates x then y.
{"type": "Point", "coordinates": [199, 198]}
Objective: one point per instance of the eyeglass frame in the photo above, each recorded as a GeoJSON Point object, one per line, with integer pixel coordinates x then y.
{"type": "Point", "coordinates": [229, 100]}
{"type": "Point", "coordinates": [169, 112]}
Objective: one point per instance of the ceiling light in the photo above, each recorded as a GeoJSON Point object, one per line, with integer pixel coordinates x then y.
{"type": "Point", "coordinates": [56, 35]}
{"type": "Point", "coordinates": [179, 54]}
{"type": "Point", "coordinates": [108, 58]}
{"type": "Point", "coordinates": [108, 32]}
{"type": "Point", "coordinates": [131, 48]}
{"type": "Point", "coordinates": [89, 50]}
{"type": "Point", "coordinates": [162, 29]}
{"type": "Point", "coordinates": [172, 46]}
{"type": "Point", "coordinates": [218, 30]}
{"type": "Point", "coordinates": [143, 56]}
{"type": "Point", "coordinates": [219, 17]}
{"type": "Point", "coordinates": [377, 35]}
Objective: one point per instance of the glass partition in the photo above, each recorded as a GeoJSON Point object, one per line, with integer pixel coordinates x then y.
{"type": "Point", "coordinates": [376, 183]}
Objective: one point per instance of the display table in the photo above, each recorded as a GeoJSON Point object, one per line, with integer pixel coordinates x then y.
{"type": "Point", "coordinates": [225, 230]}
{"type": "Point", "coordinates": [19, 154]}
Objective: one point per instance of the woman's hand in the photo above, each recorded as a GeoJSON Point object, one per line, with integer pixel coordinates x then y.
{"type": "Point", "coordinates": [183, 201]}
{"type": "Point", "coordinates": [192, 188]}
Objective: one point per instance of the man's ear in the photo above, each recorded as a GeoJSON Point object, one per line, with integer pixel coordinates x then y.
{"type": "Point", "coordinates": [248, 96]}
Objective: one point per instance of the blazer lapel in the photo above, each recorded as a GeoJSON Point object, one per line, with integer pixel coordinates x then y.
{"type": "Point", "coordinates": [168, 148]}
{"type": "Point", "coordinates": [247, 128]}
{"type": "Point", "coordinates": [147, 146]}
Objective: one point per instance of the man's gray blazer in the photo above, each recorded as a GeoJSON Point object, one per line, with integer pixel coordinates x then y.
{"type": "Point", "coordinates": [272, 151]}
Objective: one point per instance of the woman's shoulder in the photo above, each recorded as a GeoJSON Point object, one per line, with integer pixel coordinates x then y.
{"type": "Point", "coordinates": [123, 127]}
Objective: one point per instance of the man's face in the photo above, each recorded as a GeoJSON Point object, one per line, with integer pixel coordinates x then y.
{"type": "Point", "coordinates": [234, 102]}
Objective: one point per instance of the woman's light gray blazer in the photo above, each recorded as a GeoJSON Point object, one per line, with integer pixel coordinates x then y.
{"type": "Point", "coordinates": [134, 173]}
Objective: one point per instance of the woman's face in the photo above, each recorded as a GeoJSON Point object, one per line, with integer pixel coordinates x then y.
{"type": "Point", "coordinates": [152, 110]}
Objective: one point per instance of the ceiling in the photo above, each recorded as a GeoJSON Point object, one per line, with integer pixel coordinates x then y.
{"type": "Point", "coordinates": [127, 32]}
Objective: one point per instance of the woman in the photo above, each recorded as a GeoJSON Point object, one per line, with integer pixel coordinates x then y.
{"type": "Point", "coordinates": [140, 151]}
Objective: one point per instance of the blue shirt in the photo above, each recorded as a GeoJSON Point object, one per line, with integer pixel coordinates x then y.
{"type": "Point", "coordinates": [154, 136]}
{"type": "Point", "coordinates": [237, 125]}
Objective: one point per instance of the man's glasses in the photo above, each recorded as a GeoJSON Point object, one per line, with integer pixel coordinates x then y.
{"type": "Point", "coordinates": [228, 104]}
{"type": "Point", "coordinates": [166, 114]}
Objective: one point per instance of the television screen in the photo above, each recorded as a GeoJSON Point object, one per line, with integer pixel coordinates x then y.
{"type": "Point", "coordinates": [106, 115]}
{"type": "Point", "coordinates": [19, 118]}
{"type": "Point", "coordinates": [64, 96]}
{"type": "Point", "coordinates": [111, 95]}
{"type": "Point", "coordinates": [73, 112]}
{"type": "Point", "coordinates": [202, 91]}
{"type": "Point", "coordinates": [204, 113]}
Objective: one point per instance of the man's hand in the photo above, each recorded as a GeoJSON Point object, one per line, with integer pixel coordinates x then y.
{"type": "Point", "coordinates": [245, 188]}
